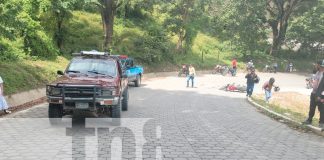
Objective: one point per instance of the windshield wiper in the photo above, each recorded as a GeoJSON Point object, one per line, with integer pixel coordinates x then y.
{"type": "Point", "coordinates": [72, 71]}
{"type": "Point", "coordinates": [96, 72]}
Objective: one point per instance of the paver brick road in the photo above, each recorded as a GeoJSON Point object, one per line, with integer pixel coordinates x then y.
{"type": "Point", "coordinates": [165, 120]}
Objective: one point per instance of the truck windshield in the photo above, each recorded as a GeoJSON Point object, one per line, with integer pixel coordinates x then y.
{"type": "Point", "coordinates": [93, 66]}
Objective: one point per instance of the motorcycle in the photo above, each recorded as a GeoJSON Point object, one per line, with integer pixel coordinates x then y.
{"type": "Point", "coordinates": [290, 68]}
{"type": "Point", "coordinates": [234, 88]}
{"type": "Point", "coordinates": [268, 69]}
{"type": "Point", "coordinates": [223, 70]}
{"type": "Point", "coordinates": [184, 70]}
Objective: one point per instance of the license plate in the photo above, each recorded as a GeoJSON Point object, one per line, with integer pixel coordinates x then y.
{"type": "Point", "coordinates": [82, 105]}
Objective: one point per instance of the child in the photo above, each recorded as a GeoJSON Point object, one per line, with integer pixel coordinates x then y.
{"type": "Point", "coordinates": [268, 87]}
{"type": "Point", "coordinates": [3, 103]}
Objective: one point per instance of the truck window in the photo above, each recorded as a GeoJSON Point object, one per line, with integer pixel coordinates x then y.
{"type": "Point", "coordinates": [86, 66]}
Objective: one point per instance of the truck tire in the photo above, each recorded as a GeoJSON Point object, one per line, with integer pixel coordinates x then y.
{"type": "Point", "coordinates": [125, 100]}
{"type": "Point", "coordinates": [138, 81]}
{"type": "Point", "coordinates": [116, 113]}
{"type": "Point", "coordinates": [55, 113]}
{"type": "Point", "coordinates": [116, 110]}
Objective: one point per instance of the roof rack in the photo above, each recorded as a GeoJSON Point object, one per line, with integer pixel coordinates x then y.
{"type": "Point", "coordinates": [91, 53]}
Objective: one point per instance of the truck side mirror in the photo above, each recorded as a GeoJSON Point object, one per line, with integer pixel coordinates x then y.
{"type": "Point", "coordinates": [60, 73]}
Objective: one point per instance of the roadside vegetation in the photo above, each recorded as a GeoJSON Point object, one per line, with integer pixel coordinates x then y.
{"type": "Point", "coordinates": [292, 105]}
{"type": "Point", "coordinates": [160, 35]}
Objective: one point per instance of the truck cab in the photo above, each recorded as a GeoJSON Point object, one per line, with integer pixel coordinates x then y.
{"type": "Point", "coordinates": [94, 82]}
{"type": "Point", "coordinates": [134, 72]}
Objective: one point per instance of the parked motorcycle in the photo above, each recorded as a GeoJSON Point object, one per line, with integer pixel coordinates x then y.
{"type": "Point", "coordinates": [223, 70]}
{"type": "Point", "coordinates": [184, 70]}
{"type": "Point", "coordinates": [290, 67]}
{"type": "Point", "coordinates": [268, 69]}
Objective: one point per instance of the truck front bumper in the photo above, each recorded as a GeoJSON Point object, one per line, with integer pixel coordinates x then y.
{"type": "Point", "coordinates": [70, 103]}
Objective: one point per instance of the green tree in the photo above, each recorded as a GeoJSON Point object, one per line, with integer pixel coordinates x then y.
{"type": "Point", "coordinates": [57, 14]}
{"type": "Point", "coordinates": [180, 15]}
{"type": "Point", "coordinates": [9, 10]}
{"type": "Point", "coordinates": [307, 29]}
{"type": "Point", "coordinates": [240, 22]}
{"type": "Point", "coordinates": [20, 20]}
{"type": "Point", "coordinates": [278, 14]}
{"type": "Point", "coordinates": [108, 11]}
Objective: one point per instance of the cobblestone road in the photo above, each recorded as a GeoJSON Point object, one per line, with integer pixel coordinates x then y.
{"type": "Point", "coordinates": [165, 120]}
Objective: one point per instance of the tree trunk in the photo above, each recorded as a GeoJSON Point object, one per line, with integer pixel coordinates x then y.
{"type": "Point", "coordinates": [59, 34]}
{"type": "Point", "coordinates": [108, 15]}
{"type": "Point", "coordinates": [280, 25]}
{"type": "Point", "coordinates": [180, 41]}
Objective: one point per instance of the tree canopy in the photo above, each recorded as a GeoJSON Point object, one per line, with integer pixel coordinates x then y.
{"type": "Point", "coordinates": [42, 28]}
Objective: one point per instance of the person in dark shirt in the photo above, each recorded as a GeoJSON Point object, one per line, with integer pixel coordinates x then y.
{"type": "Point", "coordinates": [251, 78]}
{"type": "Point", "coordinates": [320, 99]}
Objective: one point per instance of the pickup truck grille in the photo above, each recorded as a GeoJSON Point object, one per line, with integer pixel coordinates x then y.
{"type": "Point", "coordinates": [80, 92]}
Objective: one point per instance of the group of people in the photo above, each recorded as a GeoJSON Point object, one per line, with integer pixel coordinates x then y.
{"type": "Point", "coordinates": [317, 95]}
{"type": "Point", "coordinates": [252, 78]}
{"type": "Point", "coordinates": [3, 104]}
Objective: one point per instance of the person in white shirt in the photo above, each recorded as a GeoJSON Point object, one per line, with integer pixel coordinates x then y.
{"type": "Point", "coordinates": [191, 76]}
{"type": "Point", "coordinates": [3, 103]}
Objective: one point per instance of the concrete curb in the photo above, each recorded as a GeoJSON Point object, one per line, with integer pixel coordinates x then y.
{"type": "Point", "coordinates": [288, 120]}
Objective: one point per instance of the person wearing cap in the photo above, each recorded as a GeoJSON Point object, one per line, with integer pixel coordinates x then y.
{"type": "Point", "coordinates": [250, 80]}
{"type": "Point", "coordinates": [313, 100]}
{"type": "Point", "coordinates": [3, 104]}
{"type": "Point", "coordinates": [191, 75]}
{"type": "Point", "coordinates": [320, 98]}
{"type": "Point", "coordinates": [267, 87]}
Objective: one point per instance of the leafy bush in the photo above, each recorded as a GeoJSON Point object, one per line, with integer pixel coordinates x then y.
{"type": "Point", "coordinates": [11, 50]}
{"type": "Point", "coordinates": [40, 45]}
{"type": "Point", "coordinates": [84, 33]}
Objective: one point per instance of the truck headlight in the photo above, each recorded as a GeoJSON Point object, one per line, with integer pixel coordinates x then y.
{"type": "Point", "coordinates": [53, 91]}
{"type": "Point", "coordinates": [108, 92]}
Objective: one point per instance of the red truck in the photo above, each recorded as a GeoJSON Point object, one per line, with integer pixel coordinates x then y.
{"type": "Point", "coordinates": [94, 82]}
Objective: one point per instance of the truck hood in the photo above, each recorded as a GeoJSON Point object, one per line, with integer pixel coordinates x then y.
{"type": "Point", "coordinates": [88, 80]}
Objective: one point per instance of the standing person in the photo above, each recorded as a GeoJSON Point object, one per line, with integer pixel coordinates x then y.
{"type": "Point", "coordinates": [320, 98]}
{"type": "Point", "coordinates": [267, 88]}
{"type": "Point", "coordinates": [275, 67]}
{"type": "Point", "coordinates": [251, 78]}
{"type": "Point", "coordinates": [313, 100]}
{"type": "Point", "coordinates": [3, 104]}
{"type": "Point", "coordinates": [191, 76]}
{"type": "Point", "coordinates": [234, 67]}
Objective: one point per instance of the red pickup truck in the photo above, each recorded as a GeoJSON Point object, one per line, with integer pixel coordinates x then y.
{"type": "Point", "coordinates": [94, 82]}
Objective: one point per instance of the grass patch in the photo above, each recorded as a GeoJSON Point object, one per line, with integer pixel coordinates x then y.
{"type": "Point", "coordinates": [25, 75]}
{"type": "Point", "coordinates": [286, 109]}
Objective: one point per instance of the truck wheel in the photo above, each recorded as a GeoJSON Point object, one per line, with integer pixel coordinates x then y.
{"type": "Point", "coordinates": [125, 100]}
{"type": "Point", "coordinates": [115, 114]}
{"type": "Point", "coordinates": [138, 81]}
{"type": "Point", "coordinates": [55, 113]}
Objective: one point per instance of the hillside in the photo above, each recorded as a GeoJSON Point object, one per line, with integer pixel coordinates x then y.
{"type": "Point", "coordinates": [38, 38]}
